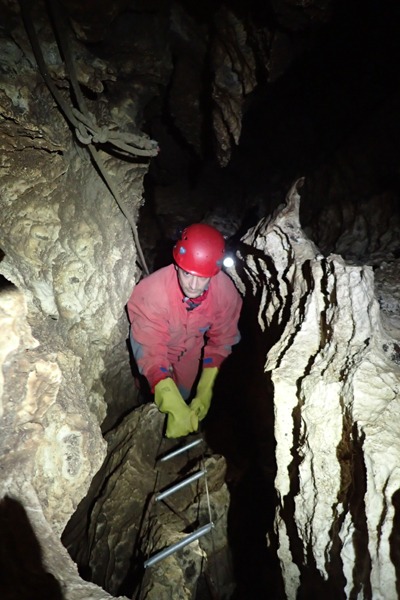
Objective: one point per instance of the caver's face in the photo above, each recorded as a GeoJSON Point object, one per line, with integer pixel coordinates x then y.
{"type": "Point", "coordinates": [191, 285]}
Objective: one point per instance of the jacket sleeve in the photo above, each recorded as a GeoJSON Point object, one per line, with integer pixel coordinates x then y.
{"type": "Point", "coordinates": [224, 332]}
{"type": "Point", "coordinates": [149, 335]}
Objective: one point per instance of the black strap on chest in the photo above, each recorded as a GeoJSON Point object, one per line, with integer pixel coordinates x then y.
{"type": "Point", "coordinates": [192, 303]}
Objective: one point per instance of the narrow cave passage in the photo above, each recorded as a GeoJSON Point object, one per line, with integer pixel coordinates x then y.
{"type": "Point", "coordinates": [240, 423]}
{"type": "Point", "coordinates": [241, 427]}
{"type": "Point", "coordinates": [307, 89]}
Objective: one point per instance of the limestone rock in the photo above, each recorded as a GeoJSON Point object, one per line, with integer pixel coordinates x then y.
{"type": "Point", "coordinates": [336, 378]}
{"type": "Point", "coordinates": [50, 442]}
{"type": "Point", "coordinates": [119, 525]}
{"type": "Point", "coordinates": [234, 79]}
{"type": "Point", "coordinates": [68, 267]}
{"type": "Point", "coordinates": [178, 575]}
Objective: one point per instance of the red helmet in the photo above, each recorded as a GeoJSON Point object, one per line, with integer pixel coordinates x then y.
{"type": "Point", "coordinates": [200, 250]}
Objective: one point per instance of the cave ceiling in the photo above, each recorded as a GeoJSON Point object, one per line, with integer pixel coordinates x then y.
{"type": "Point", "coordinates": [248, 94]}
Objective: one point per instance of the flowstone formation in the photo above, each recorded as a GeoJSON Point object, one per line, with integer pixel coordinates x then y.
{"type": "Point", "coordinates": [68, 264]}
{"type": "Point", "coordinates": [335, 373]}
{"type": "Point", "coordinates": [50, 448]}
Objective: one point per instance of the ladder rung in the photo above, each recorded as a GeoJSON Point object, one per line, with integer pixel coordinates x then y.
{"type": "Point", "coordinates": [178, 545]}
{"type": "Point", "coordinates": [180, 450]}
{"type": "Point", "coordinates": [180, 485]}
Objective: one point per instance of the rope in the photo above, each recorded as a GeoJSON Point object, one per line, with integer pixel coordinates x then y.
{"type": "Point", "coordinates": [83, 123]}
{"type": "Point", "coordinates": [217, 581]}
{"type": "Point", "coordinates": [89, 133]}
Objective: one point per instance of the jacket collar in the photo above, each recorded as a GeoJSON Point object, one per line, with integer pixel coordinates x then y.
{"type": "Point", "coordinates": [192, 303]}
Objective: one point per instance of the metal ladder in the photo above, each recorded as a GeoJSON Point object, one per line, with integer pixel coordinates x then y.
{"type": "Point", "coordinates": [175, 488]}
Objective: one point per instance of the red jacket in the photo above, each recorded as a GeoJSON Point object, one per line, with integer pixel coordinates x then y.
{"type": "Point", "coordinates": [167, 339]}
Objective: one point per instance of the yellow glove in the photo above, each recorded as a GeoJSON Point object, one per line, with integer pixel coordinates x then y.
{"type": "Point", "coordinates": [201, 402]}
{"type": "Point", "coordinates": [181, 419]}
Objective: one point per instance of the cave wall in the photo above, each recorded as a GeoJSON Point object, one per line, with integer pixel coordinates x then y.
{"type": "Point", "coordinates": [68, 266]}
{"type": "Point", "coordinates": [336, 376]}
{"type": "Point", "coordinates": [69, 261]}
{"type": "Point", "coordinates": [51, 446]}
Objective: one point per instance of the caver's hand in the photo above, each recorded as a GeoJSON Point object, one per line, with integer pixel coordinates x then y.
{"type": "Point", "coordinates": [181, 419]}
{"type": "Point", "coordinates": [201, 402]}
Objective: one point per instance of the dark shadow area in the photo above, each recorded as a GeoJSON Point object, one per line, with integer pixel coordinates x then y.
{"type": "Point", "coordinates": [5, 284]}
{"type": "Point", "coordinates": [141, 383]}
{"type": "Point", "coordinates": [394, 539]}
{"type": "Point", "coordinates": [363, 563]}
{"type": "Point", "coordinates": [240, 426]}
{"type": "Point", "coordinates": [330, 93]}
{"type": "Point", "coordinates": [135, 392]}
{"type": "Point", "coordinates": [23, 575]}
{"type": "Point", "coordinates": [158, 228]}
